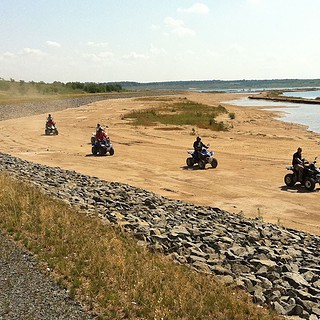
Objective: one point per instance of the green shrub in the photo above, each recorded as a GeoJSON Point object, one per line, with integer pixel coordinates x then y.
{"type": "Point", "coordinates": [232, 115]}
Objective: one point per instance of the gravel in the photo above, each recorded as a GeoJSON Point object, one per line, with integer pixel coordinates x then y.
{"type": "Point", "coordinates": [28, 293]}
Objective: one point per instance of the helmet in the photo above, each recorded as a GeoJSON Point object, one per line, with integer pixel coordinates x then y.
{"type": "Point", "coordinates": [198, 138]}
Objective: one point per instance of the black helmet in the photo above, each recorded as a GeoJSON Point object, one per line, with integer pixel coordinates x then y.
{"type": "Point", "coordinates": [198, 138]}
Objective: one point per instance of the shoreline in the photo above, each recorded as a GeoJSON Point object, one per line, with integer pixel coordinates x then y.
{"type": "Point", "coordinates": [266, 96]}
{"type": "Point", "coordinates": [252, 157]}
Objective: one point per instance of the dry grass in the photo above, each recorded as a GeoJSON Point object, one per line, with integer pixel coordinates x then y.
{"type": "Point", "coordinates": [105, 269]}
{"type": "Point", "coordinates": [147, 99]}
{"type": "Point", "coordinates": [180, 113]}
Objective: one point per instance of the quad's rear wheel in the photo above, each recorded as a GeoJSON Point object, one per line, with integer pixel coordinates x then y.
{"type": "Point", "coordinates": [202, 164]}
{"type": "Point", "coordinates": [214, 162]}
{"type": "Point", "coordinates": [310, 184]}
{"type": "Point", "coordinates": [290, 179]}
{"type": "Point", "coordinates": [47, 132]}
{"type": "Point", "coordinates": [94, 150]}
{"type": "Point", "coordinates": [190, 162]}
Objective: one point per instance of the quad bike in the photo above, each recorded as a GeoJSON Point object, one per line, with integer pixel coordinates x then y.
{"type": "Point", "coordinates": [311, 175]}
{"type": "Point", "coordinates": [102, 147]}
{"type": "Point", "coordinates": [202, 158]}
{"type": "Point", "coordinates": [51, 129]}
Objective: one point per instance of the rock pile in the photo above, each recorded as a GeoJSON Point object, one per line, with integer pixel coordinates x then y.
{"type": "Point", "coordinates": [277, 266]}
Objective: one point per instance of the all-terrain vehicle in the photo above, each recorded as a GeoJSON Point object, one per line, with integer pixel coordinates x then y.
{"type": "Point", "coordinates": [51, 129]}
{"type": "Point", "coordinates": [102, 147]}
{"type": "Point", "coordinates": [311, 175]}
{"type": "Point", "coordinates": [202, 158]}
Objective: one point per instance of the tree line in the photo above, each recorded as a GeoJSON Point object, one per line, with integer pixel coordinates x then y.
{"type": "Point", "coordinates": [56, 87]}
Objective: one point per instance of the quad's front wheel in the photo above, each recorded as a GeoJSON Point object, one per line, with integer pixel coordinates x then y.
{"type": "Point", "coordinates": [214, 162]}
{"type": "Point", "coordinates": [111, 152]}
{"type": "Point", "coordinates": [310, 184]}
{"type": "Point", "coordinates": [190, 162]}
{"type": "Point", "coordinates": [56, 132]}
{"type": "Point", "coordinates": [47, 132]}
{"type": "Point", "coordinates": [202, 164]}
{"type": "Point", "coordinates": [290, 179]}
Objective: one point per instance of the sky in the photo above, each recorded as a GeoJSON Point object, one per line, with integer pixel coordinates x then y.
{"type": "Point", "coordinates": [159, 40]}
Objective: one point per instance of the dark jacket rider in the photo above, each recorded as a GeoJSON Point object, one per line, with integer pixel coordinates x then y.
{"type": "Point", "coordinates": [198, 145]}
{"type": "Point", "coordinates": [298, 163]}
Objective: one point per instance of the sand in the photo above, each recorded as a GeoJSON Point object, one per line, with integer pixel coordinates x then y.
{"type": "Point", "coordinates": [252, 156]}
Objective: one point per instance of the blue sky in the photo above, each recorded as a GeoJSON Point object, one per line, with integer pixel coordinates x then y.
{"type": "Point", "coordinates": [159, 40]}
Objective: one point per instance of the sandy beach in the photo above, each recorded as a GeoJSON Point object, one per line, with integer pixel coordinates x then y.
{"type": "Point", "coordinates": [252, 156]}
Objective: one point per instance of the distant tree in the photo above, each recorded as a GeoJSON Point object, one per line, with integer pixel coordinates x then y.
{"type": "Point", "coordinates": [4, 85]}
{"type": "Point", "coordinates": [75, 85]}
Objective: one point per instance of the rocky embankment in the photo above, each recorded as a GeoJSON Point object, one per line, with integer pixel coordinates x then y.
{"type": "Point", "coordinates": [277, 266]}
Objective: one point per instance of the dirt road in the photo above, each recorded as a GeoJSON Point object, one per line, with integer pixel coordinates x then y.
{"type": "Point", "coordinates": [252, 156]}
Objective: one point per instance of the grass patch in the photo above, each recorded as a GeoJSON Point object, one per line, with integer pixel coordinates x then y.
{"type": "Point", "coordinates": [180, 113]}
{"type": "Point", "coordinates": [106, 270]}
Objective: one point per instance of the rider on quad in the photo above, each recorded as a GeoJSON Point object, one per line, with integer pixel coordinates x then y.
{"type": "Point", "coordinates": [298, 163]}
{"type": "Point", "coordinates": [101, 135]}
{"type": "Point", "coordinates": [50, 122]}
{"type": "Point", "coordinates": [308, 174]}
{"type": "Point", "coordinates": [198, 145]}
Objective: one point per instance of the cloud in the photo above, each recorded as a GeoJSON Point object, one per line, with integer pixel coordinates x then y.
{"type": "Point", "coordinates": [155, 51]}
{"type": "Point", "coordinates": [198, 8]}
{"type": "Point", "coordinates": [97, 44]}
{"type": "Point", "coordinates": [236, 49]}
{"type": "Point", "coordinates": [32, 52]}
{"type": "Point", "coordinates": [135, 56]}
{"type": "Point", "coordinates": [155, 27]}
{"type": "Point", "coordinates": [213, 54]}
{"type": "Point", "coordinates": [53, 44]}
{"type": "Point", "coordinates": [99, 57]}
{"type": "Point", "coordinates": [178, 27]}
{"type": "Point", "coordinates": [7, 55]}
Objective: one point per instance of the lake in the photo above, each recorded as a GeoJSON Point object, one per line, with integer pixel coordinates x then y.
{"type": "Point", "coordinates": [306, 114]}
{"type": "Point", "coordinates": [303, 94]}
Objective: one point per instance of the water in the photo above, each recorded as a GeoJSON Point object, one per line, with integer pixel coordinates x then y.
{"type": "Point", "coordinates": [301, 113]}
{"type": "Point", "coordinates": [303, 94]}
